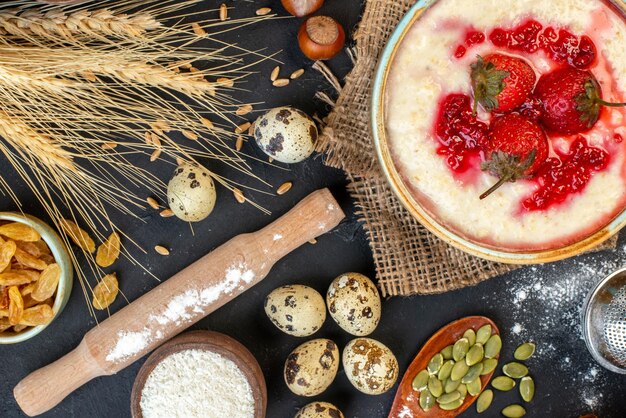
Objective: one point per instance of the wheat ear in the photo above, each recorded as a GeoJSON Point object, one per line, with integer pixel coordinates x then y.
{"type": "Point", "coordinates": [65, 25]}
{"type": "Point", "coordinates": [24, 137]}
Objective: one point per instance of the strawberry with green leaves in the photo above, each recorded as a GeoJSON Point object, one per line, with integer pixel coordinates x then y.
{"type": "Point", "coordinates": [517, 147]}
{"type": "Point", "coordinates": [571, 100]}
{"type": "Point", "coordinates": [501, 83]}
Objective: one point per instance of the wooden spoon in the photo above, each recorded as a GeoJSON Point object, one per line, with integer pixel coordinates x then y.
{"type": "Point", "coordinates": [406, 403]}
{"type": "Point", "coordinates": [211, 341]}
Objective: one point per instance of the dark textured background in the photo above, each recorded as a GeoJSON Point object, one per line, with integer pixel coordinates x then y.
{"type": "Point", "coordinates": [568, 382]}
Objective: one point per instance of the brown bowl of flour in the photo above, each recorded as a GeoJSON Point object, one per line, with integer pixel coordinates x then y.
{"type": "Point", "coordinates": [200, 374]}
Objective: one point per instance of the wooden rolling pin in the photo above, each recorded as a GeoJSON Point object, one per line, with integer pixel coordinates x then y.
{"type": "Point", "coordinates": [177, 303]}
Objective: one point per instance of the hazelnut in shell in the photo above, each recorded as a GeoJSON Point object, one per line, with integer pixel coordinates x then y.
{"type": "Point", "coordinates": [321, 37]}
{"type": "Point", "coordinates": [301, 8]}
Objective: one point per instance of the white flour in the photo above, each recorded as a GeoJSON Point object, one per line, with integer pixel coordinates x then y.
{"type": "Point", "coordinates": [183, 308]}
{"type": "Point", "coordinates": [546, 303]}
{"type": "Point", "coordinates": [197, 383]}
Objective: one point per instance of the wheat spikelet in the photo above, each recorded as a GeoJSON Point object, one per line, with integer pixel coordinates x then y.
{"type": "Point", "coordinates": [25, 138]}
{"type": "Point", "coordinates": [66, 25]}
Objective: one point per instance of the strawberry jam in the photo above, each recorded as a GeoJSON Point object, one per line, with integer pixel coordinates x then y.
{"type": "Point", "coordinates": [560, 45]}
{"type": "Point", "coordinates": [561, 177]}
{"type": "Point", "coordinates": [460, 134]}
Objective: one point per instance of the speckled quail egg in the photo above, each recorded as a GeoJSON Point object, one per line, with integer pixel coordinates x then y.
{"type": "Point", "coordinates": [286, 134]}
{"type": "Point", "coordinates": [354, 303]}
{"type": "Point", "coordinates": [319, 410]}
{"type": "Point", "coordinates": [312, 367]}
{"type": "Point", "coordinates": [191, 193]}
{"type": "Point", "coordinates": [296, 310]}
{"type": "Point", "coordinates": [370, 366]}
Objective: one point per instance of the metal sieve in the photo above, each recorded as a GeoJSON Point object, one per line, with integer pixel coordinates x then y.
{"type": "Point", "coordinates": [604, 322]}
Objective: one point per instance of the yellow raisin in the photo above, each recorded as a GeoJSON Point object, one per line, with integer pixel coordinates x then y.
{"type": "Point", "coordinates": [18, 277]}
{"type": "Point", "coordinates": [47, 283]}
{"type": "Point", "coordinates": [29, 261]}
{"type": "Point", "coordinates": [16, 305]}
{"type": "Point", "coordinates": [19, 232]}
{"type": "Point", "coordinates": [37, 315]}
{"type": "Point", "coordinates": [79, 236]}
{"type": "Point", "coordinates": [7, 251]}
{"type": "Point", "coordinates": [105, 292]}
{"type": "Point", "coordinates": [109, 251]}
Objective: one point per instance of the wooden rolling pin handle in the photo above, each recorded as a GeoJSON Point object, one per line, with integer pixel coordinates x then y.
{"type": "Point", "coordinates": [57, 380]}
{"type": "Point", "coordinates": [43, 389]}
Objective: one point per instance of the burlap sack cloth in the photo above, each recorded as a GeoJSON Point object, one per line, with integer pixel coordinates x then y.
{"type": "Point", "coordinates": [409, 260]}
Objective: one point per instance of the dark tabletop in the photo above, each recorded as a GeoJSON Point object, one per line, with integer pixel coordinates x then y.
{"type": "Point", "coordinates": [536, 303]}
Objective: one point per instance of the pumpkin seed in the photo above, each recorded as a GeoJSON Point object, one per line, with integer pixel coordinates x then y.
{"type": "Point", "coordinates": [449, 397]}
{"type": "Point", "coordinates": [451, 385]}
{"type": "Point", "coordinates": [470, 334]}
{"type": "Point", "coordinates": [483, 334]}
{"type": "Point", "coordinates": [445, 370]}
{"type": "Point", "coordinates": [484, 401]}
{"type": "Point", "coordinates": [435, 387]}
{"type": "Point", "coordinates": [460, 349]}
{"type": "Point", "coordinates": [421, 381]}
{"type": "Point", "coordinates": [475, 355]}
{"type": "Point", "coordinates": [474, 387]}
{"type": "Point", "coordinates": [514, 411]}
{"type": "Point", "coordinates": [493, 346]}
{"type": "Point", "coordinates": [503, 383]}
{"type": "Point", "coordinates": [435, 364]}
{"type": "Point", "coordinates": [524, 351]}
{"type": "Point", "coordinates": [427, 400]}
{"type": "Point", "coordinates": [447, 352]}
{"type": "Point", "coordinates": [527, 388]}
{"type": "Point", "coordinates": [472, 373]}
{"type": "Point", "coordinates": [462, 389]}
{"type": "Point", "coordinates": [459, 370]}
{"type": "Point", "coordinates": [515, 370]}
{"type": "Point", "coordinates": [452, 405]}
{"type": "Point", "coordinates": [489, 365]}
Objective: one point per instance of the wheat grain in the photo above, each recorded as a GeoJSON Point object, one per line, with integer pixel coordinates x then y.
{"type": "Point", "coordinates": [161, 250]}
{"type": "Point", "coordinates": [297, 74]}
{"type": "Point", "coordinates": [166, 213]}
{"type": "Point", "coordinates": [239, 197]}
{"type": "Point", "coordinates": [281, 82]}
{"type": "Point", "coordinates": [242, 128]}
{"type": "Point", "coordinates": [275, 73]}
{"type": "Point", "coordinates": [263, 11]}
{"type": "Point", "coordinates": [244, 110]}
{"type": "Point", "coordinates": [284, 188]}
{"type": "Point", "coordinates": [223, 12]}
{"type": "Point", "coordinates": [153, 203]}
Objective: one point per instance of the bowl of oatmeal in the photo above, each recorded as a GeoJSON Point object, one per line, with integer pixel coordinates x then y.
{"type": "Point", "coordinates": [434, 137]}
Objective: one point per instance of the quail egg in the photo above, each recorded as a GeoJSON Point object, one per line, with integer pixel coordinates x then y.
{"type": "Point", "coordinates": [312, 367]}
{"type": "Point", "coordinates": [370, 366]}
{"type": "Point", "coordinates": [319, 410]}
{"type": "Point", "coordinates": [191, 193]}
{"type": "Point", "coordinates": [296, 310]}
{"type": "Point", "coordinates": [286, 134]}
{"type": "Point", "coordinates": [354, 303]}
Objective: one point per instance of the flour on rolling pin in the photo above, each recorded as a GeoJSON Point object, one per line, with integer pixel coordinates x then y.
{"type": "Point", "coordinates": [180, 309]}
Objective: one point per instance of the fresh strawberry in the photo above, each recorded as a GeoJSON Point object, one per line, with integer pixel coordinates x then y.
{"type": "Point", "coordinates": [501, 83]}
{"type": "Point", "coordinates": [571, 100]}
{"type": "Point", "coordinates": [516, 149]}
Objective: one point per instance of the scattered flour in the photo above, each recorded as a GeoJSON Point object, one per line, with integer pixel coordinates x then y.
{"type": "Point", "coordinates": [546, 303]}
{"type": "Point", "coordinates": [277, 237]}
{"type": "Point", "coordinates": [184, 308]}
{"type": "Point", "coordinates": [197, 384]}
